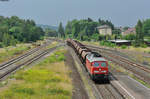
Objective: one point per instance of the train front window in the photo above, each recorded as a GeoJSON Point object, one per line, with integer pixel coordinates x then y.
{"type": "Point", "coordinates": [96, 64]}
{"type": "Point", "coordinates": [103, 64]}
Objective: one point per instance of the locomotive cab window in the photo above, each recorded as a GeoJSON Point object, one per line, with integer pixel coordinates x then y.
{"type": "Point", "coordinates": [89, 56]}
{"type": "Point", "coordinates": [103, 64]}
{"type": "Point", "coordinates": [96, 64]}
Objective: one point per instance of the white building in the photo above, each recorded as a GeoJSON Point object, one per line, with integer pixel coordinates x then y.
{"type": "Point", "coordinates": [105, 30]}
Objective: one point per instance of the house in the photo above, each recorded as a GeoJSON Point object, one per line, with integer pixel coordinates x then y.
{"type": "Point", "coordinates": [129, 31]}
{"type": "Point", "coordinates": [104, 30]}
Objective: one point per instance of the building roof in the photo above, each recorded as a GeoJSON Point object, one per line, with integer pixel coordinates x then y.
{"type": "Point", "coordinates": [129, 31]}
{"type": "Point", "coordinates": [119, 41]}
{"type": "Point", "coordinates": [103, 27]}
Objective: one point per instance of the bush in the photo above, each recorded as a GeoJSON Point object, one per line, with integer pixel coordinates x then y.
{"type": "Point", "coordinates": [102, 43]}
{"type": "Point", "coordinates": [123, 47]}
{"type": "Point", "coordinates": [135, 44]}
{"type": "Point", "coordinates": [108, 44]}
{"type": "Point", "coordinates": [95, 37]}
{"type": "Point", "coordinates": [130, 37]}
{"type": "Point", "coordinates": [143, 45]}
{"type": "Point", "coordinates": [113, 45]}
{"type": "Point", "coordinates": [1, 44]}
{"type": "Point", "coordinates": [85, 38]}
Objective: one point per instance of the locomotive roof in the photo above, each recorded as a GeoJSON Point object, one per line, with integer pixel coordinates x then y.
{"type": "Point", "coordinates": [95, 57]}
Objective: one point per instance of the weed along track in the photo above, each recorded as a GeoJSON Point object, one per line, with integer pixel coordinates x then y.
{"type": "Point", "coordinates": [138, 70]}
{"type": "Point", "coordinates": [99, 89]}
{"type": "Point", "coordinates": [26, 59]}
{"type": "Point", "coordinates": [41, 80]}
{"type": "Point", "coordinates": [12, 61]}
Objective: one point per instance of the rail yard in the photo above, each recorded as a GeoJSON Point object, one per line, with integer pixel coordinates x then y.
{"type": "Point", "coordinates": [110, 84]}
{"type": "Point", "coordinates": [25, 59]}
{"type": "Point", "coordinates": [114, 90]}
{"type": "Point", "coordinates": [74, 49]}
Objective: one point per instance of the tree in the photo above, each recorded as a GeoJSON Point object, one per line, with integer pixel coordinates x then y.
{"type": "Point", "coordinates": [139, 34]}
{"type": "Point", "coordinates": [103, 22]}
{"type": "Point", "coordinates": [50, 32]}
{"type": "Point", "coordinates": [102, 37]}
{"type": "Point", "coordinates": [116, 32]}
{"type": "Point", "coordinates": [90, 20]}
{"type": "Point", "coordinates": [9, 40]}
{"type": "Point", "coordinates": [68, 29]}
{"type": "Point", "coordinates": [146, 27]}
{"type": "Point", "coordinates": [126, 28]}
{"type": "Point", "coordinates": [85, 29]}
{"type": "Point", "coordinates": [75, 28]}
{"type": "Point", "coordinates": [6, 39]}
{"type": "Point", "coordinates": [14, 29]}
{"type": "Point", "coordinates": [3, 30]}
{"type": "Point", "coordinates": [61, 30]}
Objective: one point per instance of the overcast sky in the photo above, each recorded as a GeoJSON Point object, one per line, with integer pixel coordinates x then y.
{"type": "Point", "coordinates": [51, 12]}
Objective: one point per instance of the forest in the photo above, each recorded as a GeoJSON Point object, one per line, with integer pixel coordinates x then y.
{"type": "Point", "coordinates": [14, 30]}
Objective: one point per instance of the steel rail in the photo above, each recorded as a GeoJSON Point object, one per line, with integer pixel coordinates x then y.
{"type": "Point", "coordinates": [43, 53]}
{"type": "Point", "coordinates": [28, 53]}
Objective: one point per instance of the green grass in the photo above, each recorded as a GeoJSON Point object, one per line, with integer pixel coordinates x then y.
{"type": "Point", "coordinates": [54, 43]}
{"type": "Point", "coordinates": [57, 57]}
{"type": "Point", "coordinates": [47, 80]}
{"type": "Point", "coordinates": [9, 52]}
{"type": "Point", "coordinates": [3, 83]}
{"type": "Point", "coordinates": [142, 82]}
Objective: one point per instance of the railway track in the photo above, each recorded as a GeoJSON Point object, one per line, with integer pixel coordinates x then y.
{"type": "Point", "coordinates": [108, 92]}
{"type": "Point", "coordinates": [101, 90]}
{"type": "Point", "coordinates": [30, 52]}
{"type": "Point", "coordinates": [138, 70]}
{"type": "Point", "coordinates": [25, 59]}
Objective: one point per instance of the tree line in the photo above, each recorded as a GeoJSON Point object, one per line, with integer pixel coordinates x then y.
{"type": "Point", "coordinates": [142, 31]}
{"type": "Point", "coordinates": [84, 29]}
{"type": "Point", "coordinates": [14, 30]}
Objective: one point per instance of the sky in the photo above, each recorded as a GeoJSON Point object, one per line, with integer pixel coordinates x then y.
{"type": "Point", "coordinates": [52, 12]}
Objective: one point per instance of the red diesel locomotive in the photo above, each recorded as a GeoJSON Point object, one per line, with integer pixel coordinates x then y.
{"type": "Point", "coordinates": [95, 64]}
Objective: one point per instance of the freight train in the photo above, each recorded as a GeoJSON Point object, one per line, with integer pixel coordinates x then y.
{"type": "Point", "coordinates": [94, 63]}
